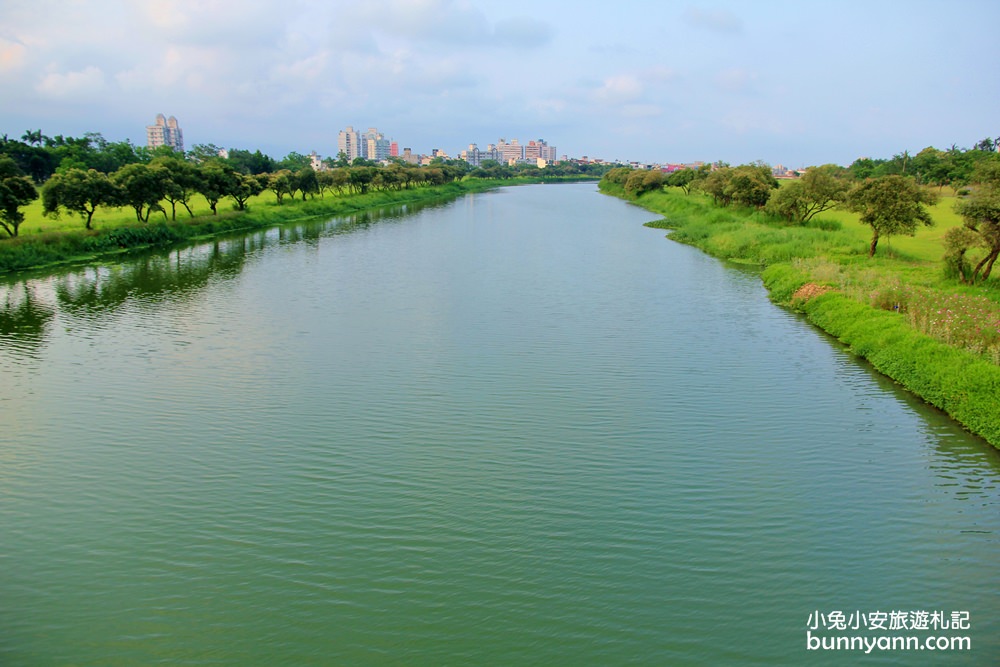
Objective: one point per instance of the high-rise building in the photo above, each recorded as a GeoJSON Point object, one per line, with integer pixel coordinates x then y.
{"type": "Point", "coordinates": [374, 145]}
{"type": "Point", "coordinates": [510, 153]}
{"type": "Point", "coordinates": [539, 150]}
{"type": "Point", "coordinates": [533, 151]}
{"type": "Point", "coordinates": [349, 143]}
{"type": "Point", "coordinates": [475, 155]}
{"type": "Point", "coordinates": [165, 132]}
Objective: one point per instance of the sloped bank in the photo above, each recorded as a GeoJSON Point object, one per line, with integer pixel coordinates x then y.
{"type": "Point", "coordinates": [961, 384]}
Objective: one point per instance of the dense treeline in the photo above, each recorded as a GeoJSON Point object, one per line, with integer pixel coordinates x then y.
{"type": "Point", "coordinates": [890, 196]}
{"type": "Point", "coordinates": [78, 175]}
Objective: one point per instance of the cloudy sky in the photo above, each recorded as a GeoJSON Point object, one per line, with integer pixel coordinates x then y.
{"type": "Point", "coordinates": [797, 83]}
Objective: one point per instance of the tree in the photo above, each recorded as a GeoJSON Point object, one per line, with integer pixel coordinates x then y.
{"type": "Point", "coordinates": [251, 163]}
{"type": "Point", "coordinates": [281, 183]}
{"type": "Point", "coordinates": [305, 181]}
{"type": "Point", "coordinates": [716, 184]}
{"type": "Point", "coordinates": [891, 205]}
{"type": "Point", "coordinates": [341, 179]}
{"type": "Point", "coordinates": [641, 182]}
{"type": "Point", "coordinates": [244, 187]}
{"type": "Point", "coordinates": [987, 144]}
{"type": "Point", "coordinates": [981, 215]}
{"type": "Point", "coordinates": [205, 152]}
{"type": "Point", "coordinates": [751, 185]}
{"type": "Point", "coordinates": [80, 192]}
{"type": "Point", "coordinates": [682, 179]}
{"type": "Point", "coordinates": [142, 187]}
{"type": "Point", "coordinates": [16, 190]}
{"type": "Point", "coordinates": [181, 181]}
{"type": "Point", "coordinates": [215, 181]}
{"type": "Point", "coordinates": [325, 181]}
{"type": "Point", "coordinates": [361, 178]}
{"type": "Point", "coordinates": [819, 190]}
{"type": "Point", "coordinates": [34, 137]}
{"type": "Point", "coordinates": [293, 162]}
{"type": "Point", "coordinates": [38, 163]}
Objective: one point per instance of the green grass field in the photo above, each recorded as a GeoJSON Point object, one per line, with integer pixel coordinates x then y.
{"type": "Point", "coordinates": [109, 218]}
{"type": "Point", "coordinates": [927, 245]}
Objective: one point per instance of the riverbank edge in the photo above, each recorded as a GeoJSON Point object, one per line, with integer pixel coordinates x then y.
{"type": "Point", "coordinates": [49, 251]}
{"type": "Point", "coordinates": [960, 384]}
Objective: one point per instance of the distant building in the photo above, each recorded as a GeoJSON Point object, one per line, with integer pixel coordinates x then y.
{"type": "Point", "coordinates": [475, 156]}
{"type": "Point", "coordinates": [393, 149]}
{"type": "Point", "coordinates": [510, 153]}
{"type": "Point", "coordinates": [409, 157]}
{"type": "Point", "coordinates": [374, 146]}
{"type": "Point", "coordinates": [166, 132]}
{"type": "Point", "coordinates": [349, 143]}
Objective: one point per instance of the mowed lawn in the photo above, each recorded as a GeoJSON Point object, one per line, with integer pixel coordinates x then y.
{"type": "Point", "coordinates": [108, 218]}
{"type": "Point", "coordinates": [926, 246]}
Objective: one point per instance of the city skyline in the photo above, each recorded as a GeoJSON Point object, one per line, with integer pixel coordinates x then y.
{"type": "Point", "coordinates": [796, 83]}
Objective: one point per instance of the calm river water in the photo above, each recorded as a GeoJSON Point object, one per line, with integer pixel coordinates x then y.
{"type": "Point", "coordinates": [516, 429]}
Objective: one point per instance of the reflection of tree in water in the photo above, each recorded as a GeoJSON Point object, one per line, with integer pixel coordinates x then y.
{"type": "Point", "coordinates": [24, 319]}
{"type": "Point", "coordinates": [179, 274]}
{"type": "Point", "coordinates": [154, 276]}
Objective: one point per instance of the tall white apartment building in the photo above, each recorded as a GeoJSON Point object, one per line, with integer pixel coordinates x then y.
{"type": "Point", "coordinates": [349, 143]}
{"type": "Point", "coordinates": [165, 132]}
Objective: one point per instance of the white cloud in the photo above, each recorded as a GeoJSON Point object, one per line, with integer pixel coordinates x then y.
{"type": "Point", "coordinates": [444, 23]}
{"type": "Point", "coordinates": [619, 89]}
{"type": "Point", "coordinates": [12, 53]}
{"type": "Point", "coordinates": [85, 82]}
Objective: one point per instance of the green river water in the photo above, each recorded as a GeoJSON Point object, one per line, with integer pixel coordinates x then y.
{"type": "Point", "coordinates": [519, 428]}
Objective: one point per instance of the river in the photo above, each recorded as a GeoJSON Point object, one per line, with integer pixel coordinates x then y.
{"type": "Point", "coordinates": [517, 428]}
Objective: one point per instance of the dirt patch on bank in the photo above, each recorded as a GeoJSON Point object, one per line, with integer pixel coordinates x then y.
{"type": "Point", "coordinates": [810, 290]}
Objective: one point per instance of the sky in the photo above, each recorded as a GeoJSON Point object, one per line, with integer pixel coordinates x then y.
{"type": "Point", "coordinates": [793, 83]}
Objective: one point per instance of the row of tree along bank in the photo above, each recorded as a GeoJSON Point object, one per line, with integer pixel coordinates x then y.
{"type": "Point", "coordinates": [932, 326]}
{"type": "Point", "coordinates": [893, 203]}
{"type": "Point", "coordinates": [82, 245]}
{"type": "Point", "coordinates": [80, 175]}
{"type": "Point", "coordinates": [90, 178]}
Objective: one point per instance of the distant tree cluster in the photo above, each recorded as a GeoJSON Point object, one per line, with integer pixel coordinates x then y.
{"type": "Point", "coordinates": [980, 212]}
{"type": "Point", "coordinates": [77, 175]}
{"type": "Point", "coordinates": [636, 182]}
{"type": "Point", "coordinates": [174, 180]}
{"type": "Point", "coordinates": [955, 167]}
{"type": "Point", "coordinates": [890, 196]}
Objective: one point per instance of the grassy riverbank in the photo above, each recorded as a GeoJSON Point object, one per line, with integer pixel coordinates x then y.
{"type": "Point", "coordinates": [898, 310]}
{"type": "Point", "coordinates": [47, 242]}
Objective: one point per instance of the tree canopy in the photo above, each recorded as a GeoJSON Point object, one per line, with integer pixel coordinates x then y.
{"type": "Point", "coordinates": [820, 189]}
{"type": "Point", "coordinates": [16, 190]}
{"type": "Point", "coordinates": [891, 205]}
{"type": "Point", "coordinates": [980, 212]}
{"type": "Point", "coordinates": [80, 192]}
